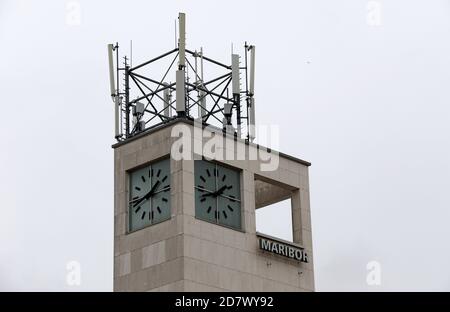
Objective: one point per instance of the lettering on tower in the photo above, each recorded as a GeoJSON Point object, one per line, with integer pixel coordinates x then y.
{"type": "Point", "coordinates": [282, 248]}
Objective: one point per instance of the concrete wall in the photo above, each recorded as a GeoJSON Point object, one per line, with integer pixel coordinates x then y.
{"type": "Point", "coordinates": [187, 254]}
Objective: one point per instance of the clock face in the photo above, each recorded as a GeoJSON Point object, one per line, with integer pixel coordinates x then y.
{"type": "Point", "coordinates": [149, 201]}
{"type": "Point", "coordinates": [217, 194]}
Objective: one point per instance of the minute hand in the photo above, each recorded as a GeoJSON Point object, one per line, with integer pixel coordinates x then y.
{"type": "Point", "coordinates": [220, 191]}
{"type": "Point", "coordinates": [148, 195]}
{"type": "Point", "coordinates": [216, 193]}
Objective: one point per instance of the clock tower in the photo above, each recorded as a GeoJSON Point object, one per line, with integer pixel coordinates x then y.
{"type": "Point", "coordinates": [188, 178]}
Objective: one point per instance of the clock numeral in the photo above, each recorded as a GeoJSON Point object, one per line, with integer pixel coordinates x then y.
{"type": "Point", "coordinates": [224, 177]}
{"type": "Point", "coordinates": [143, 215]}
{"type": "Point", "coordinates": [207, 171]}
{"type": "Point", "coordinates": [143, 179]}
{"type": "Point", "coordinates": [203, 199]}
{"type": "Point", "coordinates": [137, 209]}
{"type": "Point", "coordinates": [137, 188]}
{"type": "Point", "coordinates": [225, 214]}
{"type": "Point", "coordinates": [159, 209]}
{"type": "Point", "coordinates": [229, 207]}
{"type": "Point", "coordinates": [159, 172]}
{"type": "Point", "coordinates": [229, 187]}
{"type": "Point", "coordinates": [149, 216]}
{"type": "Point", "coordinates": [203, 179]}
{"type": "Point", "coordinates": [209, 209]}
{"type": "Point", "coordinates": [164, 199]}
{"type": "Point", "coordinates": [164, 179]}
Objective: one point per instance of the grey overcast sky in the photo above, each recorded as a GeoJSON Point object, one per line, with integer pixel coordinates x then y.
{"type": "Point", "coordinates": [365, 98]}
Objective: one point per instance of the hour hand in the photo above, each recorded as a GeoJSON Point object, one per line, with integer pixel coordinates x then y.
{"type": "Point", "coordinates": [208, 194]}
{"type": "Point", "coordinates": [137, 201]}
{"type": "Point", "coordinates": [220, 191]}
{"type": "Point", "coordinates": [150, 194]}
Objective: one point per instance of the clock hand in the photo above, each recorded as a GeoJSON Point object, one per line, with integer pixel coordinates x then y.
{"type": "Point", "coordinates": [152, 191]}
{"type": "Point", "coordinates": [148, 195]}
{"type": "Point", "coordinates": [216, 193]}
{"type": "Point", "coordinates": [220, 191]}
{"type": "Point", "coordinates": [139, 201]}
{"type": "Point", "coordinates": [208, 194]}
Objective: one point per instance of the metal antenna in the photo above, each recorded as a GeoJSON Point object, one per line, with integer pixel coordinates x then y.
{"type": "Point", "coordinates": [176, 44]}
{"type": "Point", "coordinates": [180, 75]}
{"type": "Point", "coordinates": [251, 99]}
{"type": "Point", "coordinates": [252, 70]}
{"type": "Point", "coordinates": [114, 92]}
{"type": "Point", "coordinates": [145, 101]}
{"type": "Point", "coordinates": [182, 41]}
{"type": "Point", "coordinates": [167, 98]}
{"type": "Point", "coordinates": [236, 86]}
{"type": "Point", "coordinates": [111, 71]}
{"type": "Point", "coordinates": [131, 53]}
{"type": "Point", "coordinates": [201, 63]}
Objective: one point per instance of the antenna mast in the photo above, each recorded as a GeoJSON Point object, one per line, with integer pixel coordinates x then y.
{"type": "Point", "coordinates": [147, 101]}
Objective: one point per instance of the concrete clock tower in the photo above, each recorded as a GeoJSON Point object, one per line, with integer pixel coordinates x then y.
{"type": "Point", "coordinates": [188, 180]}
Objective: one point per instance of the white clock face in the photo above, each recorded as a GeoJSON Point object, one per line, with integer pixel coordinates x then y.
{"type": "Point", "coordinates": [149, 201]}
{"type": "Point", "coordinates": [217, 194]}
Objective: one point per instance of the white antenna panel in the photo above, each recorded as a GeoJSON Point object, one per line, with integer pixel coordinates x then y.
{"type": "Point", "coordinates": [252, 120]}
{"type": "Point", "coordinates": [182, 40]}
{"type": "Point", "coordinates": [235, 74]}
{"type": "Point", "coordinates": [112, 83]}
{"type": "Point", "coordinates": [252, 70]}
{"type": "Point", "coordinates": [180, 91]}
{"type": "Point", "coordinates": [167, 111]}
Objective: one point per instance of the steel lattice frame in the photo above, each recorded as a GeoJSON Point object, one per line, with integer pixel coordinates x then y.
{"type": "Point", "coordinates": [214, 91]}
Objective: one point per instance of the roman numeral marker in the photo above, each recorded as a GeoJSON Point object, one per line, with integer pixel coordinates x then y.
{"type": "Point", "coordinates": [229, 207]}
